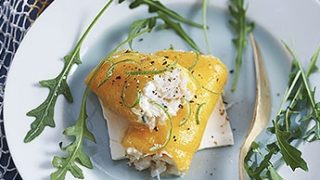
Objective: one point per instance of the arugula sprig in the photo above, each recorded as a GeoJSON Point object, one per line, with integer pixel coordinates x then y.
{"type": "Point", "coordinates": [171, 19]}
{"type": "Point", "coordinates": [75, 151]}
{"type": "Point", "coordinates": [44, 113]}
{"type": "Point", "coordinates": [155, 6]}
{"type": "Point", "coordinates": [242, 27]}
{"type": "Point", "coordinates": [139, 26]}
{"type": "Point", "coordinates": [299, 110]}
{"type": "Point", "coordinates": [179, 31]}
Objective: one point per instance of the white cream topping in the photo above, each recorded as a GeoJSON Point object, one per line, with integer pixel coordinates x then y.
{"type": "Point", "coordinates": [168, 90]}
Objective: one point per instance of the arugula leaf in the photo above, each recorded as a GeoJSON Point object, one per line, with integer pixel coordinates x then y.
{"type": "Point", "coordinates": [75, 152]}
{"type": "Point", "coordinates": [242, 27]}
{"type": "Point", "coordinates": [255, 169]}
{"type": "Point", "coordinates": [169, 17]}
{"type": "Point", "coordinates": [291, 124]}
{"type": "Point", "coordinates": [290, 154]}
{"type": "Point", "coordinates": [176, 27]}
{"type": "Point", "coordinates": [139, 25]}
{"type": "Point", "coordinates": [314, 132]}
{"type": "Point", "coordinates": [44, 113]}
{"type": "Point", "coordinates": [156, 7]}
{"type": "Point", "coordinates": [273, 174]}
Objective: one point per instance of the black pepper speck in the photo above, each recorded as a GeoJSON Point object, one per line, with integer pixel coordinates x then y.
{"type": "Point", "coordinates": [118, 77]}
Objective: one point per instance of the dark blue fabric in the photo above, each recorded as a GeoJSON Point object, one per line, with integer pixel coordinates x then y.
{"type": "Point", "coordinates": [16, 16]}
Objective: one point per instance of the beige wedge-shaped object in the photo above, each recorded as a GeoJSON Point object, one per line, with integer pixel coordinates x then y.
{"type": "Point", "coordinates": [262, 109]}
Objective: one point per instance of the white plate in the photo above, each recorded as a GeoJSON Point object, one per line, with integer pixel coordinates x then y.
{"type": "Point", "coordinates": [55, 32]}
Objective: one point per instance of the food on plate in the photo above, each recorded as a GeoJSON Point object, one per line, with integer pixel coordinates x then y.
{"type": "Point", "coordinates": [163, 107]}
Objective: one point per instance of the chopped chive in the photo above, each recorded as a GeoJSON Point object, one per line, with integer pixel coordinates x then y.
{"type": "Point", "coordinates": [152, 72]}
{"type": "Point", "coordinates": [156, 147]}
{"type": "Point", "coordinates": [210, 91]}
{"type": "Point", "coordinates": [198, 112]}
{"type": "Point", "coordinates": [111, 69]}
{"type": "Point", "coordinates": [194, 62]}
{"type": "Point", "coordinates": [134, 73]}
{"type": "Point", "coordinates": [135, 102]}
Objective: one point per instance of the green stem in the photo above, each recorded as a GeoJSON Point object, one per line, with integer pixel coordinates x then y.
{"type": "Point", "coordinates": [307, 86]}
{"type": "Point", "coordinates": [204, 24]}
{"type": "Point", "coordinates": [289, 91]}
{"type": "Point", "coordinates": [78, 45]}
{"type": "Point", "coordinates": [170, 13]}
{"type": "Point", "coordinates": [241, 41]}
{"type": "Point", "coordinates": [81, 122]}
{"type": "Point", "coordinates": [126, 41]}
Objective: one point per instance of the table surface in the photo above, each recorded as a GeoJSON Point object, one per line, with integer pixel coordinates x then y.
{"type": "Point", "coordinates": [16, 16]}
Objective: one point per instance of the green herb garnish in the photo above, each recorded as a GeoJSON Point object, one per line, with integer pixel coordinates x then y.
{"type": "Point", "coordinates": [111, 69]}
{"type": "Point", "coordinates": [125, 103]}
{"type": "Point", "coordinates": [157, 7]}
{"type": "Point", "coordinates": [171, 47]}
{"type": "Point", "coordinates": [198, 113]}
{"type": "Point", "coordinates": [141, 25]}
{"type": "Point", "coordinates": [290, 154]}
{"type": "Point", "coordinates": [298, 120]}
{"type": "Point", "coordinates": [242, 27]}
{"type": "Point", "coordinates": [129, 40]}
{"type": "Point", "coordinates": [151, 72]}
{"type": "Point", "coordinates": [170, 18]}
{"type": "Point", "coordinates": [44, 113]}
{"type": "Point", "coordinates": [195, 62]}
{"type": "Point", "coordinates": [210, 91]}
{"type": "Point", "coordinates": [75, 152]}
{"type": "Point", "coordinates": [204, 25]}
{"type": "Point", "coordinates": [156, 147]}
{"type": "Point", "coordinates": [179, 30]}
